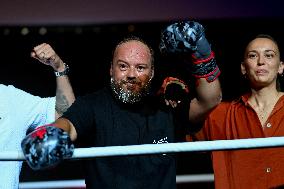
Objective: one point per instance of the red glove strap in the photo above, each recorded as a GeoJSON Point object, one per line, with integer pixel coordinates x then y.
{"type": "Point", "coordinates": [196, 60]}
{"type": "Point", "coordinates": [205, 68]}
{"type": "Point", "coordinates": [169, 80]}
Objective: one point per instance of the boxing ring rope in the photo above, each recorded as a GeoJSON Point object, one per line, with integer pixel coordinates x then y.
{"type": "Point", "coordinates": [80, 153]}
{"type": "Point", "coordinates": [217, 145]}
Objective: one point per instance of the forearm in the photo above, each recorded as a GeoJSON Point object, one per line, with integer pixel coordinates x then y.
{"type": "Point", "coordinates": [208, 95]}
{"type": "Point", "coordinates": [64, 94]}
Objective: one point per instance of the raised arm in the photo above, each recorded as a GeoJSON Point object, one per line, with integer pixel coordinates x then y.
{"type": "Point", "coordinates": [187, 40]}
{"type": "Point", "coordinates": [64, 92]}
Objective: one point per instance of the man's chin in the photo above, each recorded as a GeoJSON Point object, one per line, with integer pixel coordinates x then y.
{"type": "Point", "coordinates": [132, 93]}
{"type": "Point", "coordinates": [130, 98]}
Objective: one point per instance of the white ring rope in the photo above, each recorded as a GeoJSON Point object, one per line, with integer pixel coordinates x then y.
{"type": "Point", "coordinates": [161, 148]}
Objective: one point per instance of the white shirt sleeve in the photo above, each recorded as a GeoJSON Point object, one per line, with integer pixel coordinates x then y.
{"type": "Point", "coordinates": [19, 110]}
{"type": "Point", "coordinates": [33, 110]}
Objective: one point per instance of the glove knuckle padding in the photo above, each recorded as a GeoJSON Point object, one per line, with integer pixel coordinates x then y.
{"type": "Point", "coordinates": [46, 146]}
{"type": "Point", "coordinates": [181, 37]}
{"type": "Point", "coordinates": [187, 37]}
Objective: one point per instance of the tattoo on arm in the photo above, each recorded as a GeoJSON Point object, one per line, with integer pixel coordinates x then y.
{"type": "Point", "coordinates": [61, 103]}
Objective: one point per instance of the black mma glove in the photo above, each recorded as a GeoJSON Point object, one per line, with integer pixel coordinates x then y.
{"type": "Point", "coordinates": [46, 146]}
{"type": "Point", "coordinates": [188, 37]}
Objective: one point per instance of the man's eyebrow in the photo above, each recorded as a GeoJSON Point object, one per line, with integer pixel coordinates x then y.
{"type": "Point", "coordinates": [121, 61]}
{"type": "Point", "coordinates": [268, 50]}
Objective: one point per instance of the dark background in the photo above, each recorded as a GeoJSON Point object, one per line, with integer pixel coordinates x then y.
{"type": "Point", "coordinates": [84, 33]}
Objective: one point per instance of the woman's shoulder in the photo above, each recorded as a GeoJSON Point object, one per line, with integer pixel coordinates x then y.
{"type": "Point", "coordinates": [224, 106]}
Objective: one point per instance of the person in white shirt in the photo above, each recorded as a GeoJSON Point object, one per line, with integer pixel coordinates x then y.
{"type": "Point", "coordinates": [20, 111]}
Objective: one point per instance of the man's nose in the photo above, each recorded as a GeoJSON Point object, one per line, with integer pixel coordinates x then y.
{"type": "Point", "coordinates": [132, 73]}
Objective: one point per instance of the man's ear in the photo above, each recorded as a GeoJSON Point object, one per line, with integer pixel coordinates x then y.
{"type": "Point", "coordinates": [110, 70]}
{"type": "Point", "coordinates": [152, 74]}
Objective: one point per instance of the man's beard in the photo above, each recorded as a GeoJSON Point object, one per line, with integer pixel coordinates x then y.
{"type": "Point", "coordinates": [127, 96]}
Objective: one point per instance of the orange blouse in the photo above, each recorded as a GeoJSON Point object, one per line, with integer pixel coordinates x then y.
{"type": "Point", "coordinates": [241, 169]}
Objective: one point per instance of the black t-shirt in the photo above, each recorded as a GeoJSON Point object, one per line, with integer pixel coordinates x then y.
{"type": "Point", "coordinates": [102, 121]}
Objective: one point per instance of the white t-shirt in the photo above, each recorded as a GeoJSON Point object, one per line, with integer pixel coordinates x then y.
{"type": "Point", "coordinates": [18, 111]}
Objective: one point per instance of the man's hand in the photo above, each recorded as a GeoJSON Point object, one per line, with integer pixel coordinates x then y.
{"type": "Point", "coordinates": [174, 91]}
{"type": "Point", "coordinates": [45, 54]}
